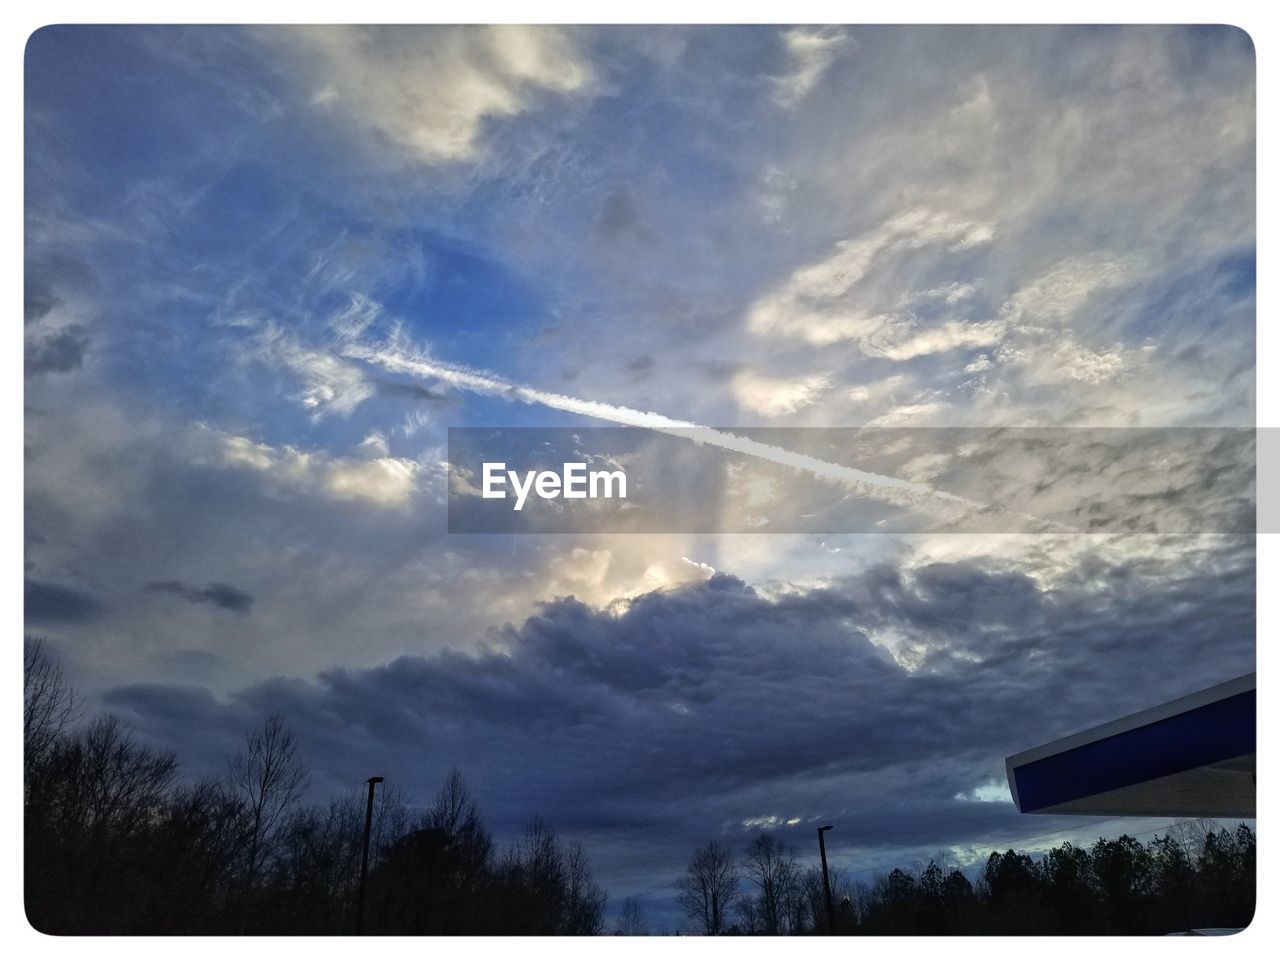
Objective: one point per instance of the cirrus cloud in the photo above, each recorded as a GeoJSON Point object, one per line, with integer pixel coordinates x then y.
{"type": "Point", "coordinates": [435, 94]}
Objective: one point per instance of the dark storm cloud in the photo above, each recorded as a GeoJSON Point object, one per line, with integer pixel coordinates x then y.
{"type": "Point", "coordinates": [219, 594]}
{"type": "Point", "coordinates": [53, 603]}
{"type": "Point", "coordinates": [694, 712]}
{"type": "Point", "coordinates": [58, 352]}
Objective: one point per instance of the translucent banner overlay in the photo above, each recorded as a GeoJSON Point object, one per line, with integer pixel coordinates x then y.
{"type": "Point", "coordinates": [614, 480]}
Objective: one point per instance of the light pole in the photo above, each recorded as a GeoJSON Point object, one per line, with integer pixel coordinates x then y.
{"type": "Point", "coordinates": [364, 855]}
{"type": "Point", "coordinates": [826, 879]}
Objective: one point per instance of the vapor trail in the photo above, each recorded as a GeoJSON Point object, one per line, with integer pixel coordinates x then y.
{"type": "Point", "coordinates": [890, 489]}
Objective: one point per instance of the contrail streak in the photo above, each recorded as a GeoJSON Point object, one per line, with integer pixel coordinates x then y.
{"type": "Point", "coordinates": [891, 489]}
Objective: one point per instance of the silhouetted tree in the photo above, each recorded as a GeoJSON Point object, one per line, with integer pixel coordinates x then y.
{"type": "Point", "coordinates": [1190, 833]}
{"type": "Point", "coordinates": [268, 777]}
{"type": "Point", "coordinates": [91, 805]}
{"type": "Point", "coordinates": [49, 704]}
{"type": "Point", "coordinates": [1015, 894]}
{"type": "Point", "coordinates": [547, 889]}
{"type": "Point", "coordinates": [115, 845]}
{"type": "Point", "coordinates": [1226, 875]}
{"type": "Point", "coordinates": [960, 901]}
{"type": "Point", "coordinates": [1173, 881]}
{"type": "Point", "coordinates": [317, 865]}
{"type": "Point", "coordinates": [708, 887]}
{"type": "Point", "coordinates": [1123, 869]}
{"type": "Point", "coordinates": [632, 922]}
{"type": "Point", "coordinates": [1069, 888]}
{"type": "Point", "coordinates": [1116, 886]}
{"type": "Point", "coordinates": [813, 899]}
{"type": "Point", "coordinates": [771, 868]}
{"type": "Point", "coordinates": [190, 856]}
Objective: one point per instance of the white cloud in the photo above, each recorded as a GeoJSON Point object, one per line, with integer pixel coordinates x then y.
{"type": "Point", "coordinates": [819, 305]}
{"type": "Point", "coordinates": [578, 570]}
{"type": "Point", "coordinates": [810, 52]}
{"type": "Point", "coordinates": [776, 396]}
{"type": "Point", "coordinates": [375, 444]}
{"type": "Point", "coordinates": [909, 415]}
{"type": "Point", "coordinates": [993, 791]}
{"type": "Point", "coordinates": [705, 567]}
{"type": "Point", "coordinates": [978, 364]}
{"type": "Point", "coordinates": [1105, 189]}
{"type": "Point", "coordinates": [434, 90]}
{"type": "Point", "coordinates": [907, 340]}
{"type": "Point", "coordinates": [1055, 296]}
{"type": "Point", "coordinates": [381, 481]}
{"type": "Point", "coordinates": [330, 384]}
{"type": "Point", "coordinates": [358, 316]}
{"type": "Point", "coordinates": [1065, 359]}
{"type": "Point", "coordinates": [949, 293]}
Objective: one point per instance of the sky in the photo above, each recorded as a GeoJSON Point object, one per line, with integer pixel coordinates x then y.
{"type": "Point", "coordinates": [268, 268]}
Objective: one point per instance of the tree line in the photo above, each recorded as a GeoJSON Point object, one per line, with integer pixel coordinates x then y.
{"type": "Point", "coordinates": [1197, 875]}
{"type": "Point", "coordinates": [115, 843]}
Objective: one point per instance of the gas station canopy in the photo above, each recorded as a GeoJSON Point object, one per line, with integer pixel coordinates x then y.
{"type": "Point", "coordinates": [1190, 757]}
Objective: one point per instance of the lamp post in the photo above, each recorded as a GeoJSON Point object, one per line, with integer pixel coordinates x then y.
{"type": "Point", "coordinates": [826, 879]}
{"type": "Point", "coordinates": [364, 855]}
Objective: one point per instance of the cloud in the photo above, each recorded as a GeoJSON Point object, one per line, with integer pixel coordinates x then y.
{"type": "Point", "coordinates": [57, 352]}
{"type": "Point", "coordinates": [909, 414]}
{"type": "Point", "coordinates": [1064, 359]}
{"type": "Point", "coordinates": [955, 226]}
{"type": "Point", "coordinates": [58, 310]}
{"type": "Point", "coordinates": [52, 603]}
{"type": "Point", "coordinates": [889, 697]}
{"type": "Point", "coordinates": [819, 303]}
{"type": "Point", "coordinates": [810, 52]}
{"type": "Point", "coordinates": [330, 384]}
{"type": "Point", "coordinates": [219, 594]}
{"type": "Point", "coordinates": [381, 481]}
{"type": "Point", "coordinates": [375, 445]}
{"type": "Point", "coordinates": [38, 297]}
{"type": "Point", "coordinates": [1088, 175]}
{"type": "Point", "coordinates": [50, 277]}
{"type": "Point", "coordinates": [776, 396]}
{"type": "Point", "coordinates": [435, 90]}
{"type": "Point", "coordinates": [1055, 296]}
{"type": "Point", "coordinates": [580, 569]}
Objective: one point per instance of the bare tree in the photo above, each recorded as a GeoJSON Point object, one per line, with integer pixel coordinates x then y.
{"type": "Point", "coordinates": [268, 777]}
{"type": "Point", "coordinates": [1190, 834]}
{"type": "Point", "coordinates": [454, 813]}
{"type": "Point", "coordinates": [771, 867]}
{"type": "Point", "coordinates": [632, 923]}
{"type": "Point", "coordinates": [453, 806]}
{"type": "Point", "coordinates": [708, 887]}
{"type": "Point", "coordinates": [748, 915]}
{"type": "Point", "coordinates": [558, 894]}
{"type": "Point", "coordinates": [92, 809]}
{"type": "Point", "coordinates": [811, 900]}
{"type": "Point", "coordinates": [49, 704]}
{"type": "Point", "coordinates": [103, 783]}
{"type": "Point", "coordinates": [584, 899]}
